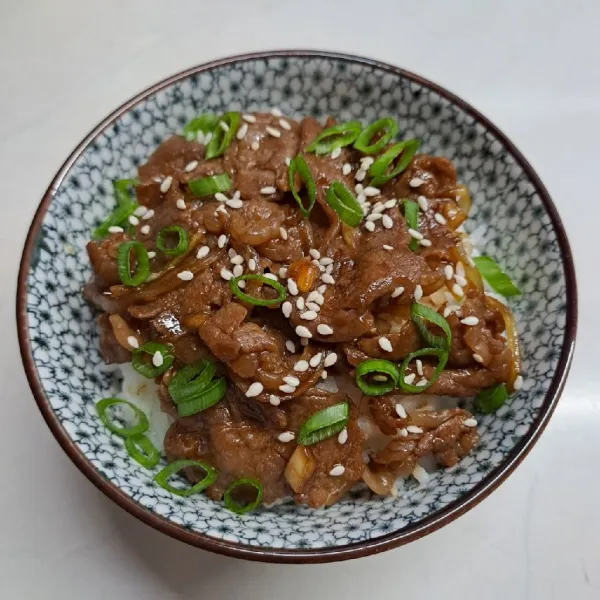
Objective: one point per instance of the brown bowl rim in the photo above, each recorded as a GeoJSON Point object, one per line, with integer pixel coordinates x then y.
{"type": "Point", "coordinates": [335, 553]}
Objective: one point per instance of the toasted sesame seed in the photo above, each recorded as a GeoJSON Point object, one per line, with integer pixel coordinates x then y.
{"type": "Point", "coordinates": [410, 378]}
{"type": "Point", "coordinates": [457, 290]}
{"type": "Point", "coordinates": [222, 240]}
{"type": "Point", "coordinates": [255, 145]}
{"type": "Point", "coordinates": [185, 275]}
{"type": "Point", "coordinates": [286, 309]}
{"type": "Point", "coordinates": [448, 272]}
{"type": "Point", "coordinates": [291, 380]}
{"type": "Point", "coordinates": [418, 293]}
{"type": "Point", "coordinates": [420, 474]}
{"type": "Point", "coordinates": [254, 390]}
{"type": "Point", "coordinates": [343, 436]}
{"type": "Point", "coordinates": [387, 247]}
{"type": "Point", "coordinates": [304, 342]}
{"type": "Point", "coordinates": [374, 217]}
{"type": "Point", "coordinates": [346, 169]}
{"type": "Point", "coordinates": [440, 218]}
{"type": "Point", "coordinates": [470, 423]}
{"type": "Point", "coordinates": [336, 153]}
{"type": "Point", "coordinates": [148, 215]}
{"type": "Point", "coordinates": [232, 253]}
{"type": "Point", "coordinates": [301, 366]}
{"type": "Point", "coordinates": [315, 360]}
{"type": "Point", "coordinates": [371, 191]}
{"type": "Point", "coordinates": [249, 118]}
{"type": "Point", "coordinates": [325, 260]}
{"type": "Point", "coordinates": [267, 190]}
{"type": "Point", "coordinates": [337, 470]}
{"type": "Point", "coordinates": [284, 124]}
{"type": "Point", "coordinates": [134, 220]}
{"type": "Point", "coordinates": [272, 131]}
{"type": "Point", "coordinates": [518, 383]}
{"type": "Point", "coordinates": [226, 274]}
{"type": "Point", "coordinates": [414, 429]}
{"type": "Point", "coordinates": [360, 175]}
{"type": "Point", "coordinates": [270, 276]}
{"type": "Point", "coordinates": [313, 306]}
{"type": "Point", "coordinates": [282, 272]}
{"type": "Point", "coordinates": [358, 188]}
{"type": "Point", "coordinates": [401, 411]}
{"type": "Point", "coordinates": [276, 112]}
{"type": "Point", "coordinates": [327, 278]}
{"type": "Point", "coordinates": [165, 186]}
{"type": "Point", "coordinates": [133, 342]}
{"type": "Point", "coordinates": [145, 229]}
{"type": "Point", "coordinates": [387, 222]}
{"type": "Point", "coordinates": [324, 329]}
{"type": "Point", "coordinates": [251, 264]}
{"type": "Point", "coordinates": [286, 436]}
{"type": "Point", "coordinates": [151, 254]}
{"type": "Point", "coordinates": [241, 284]}
{"type": "Point", "coordinates": [397, 291]}
{"type": "Point", "coordinates": [207, 137]}
{"type": "Point", "coordinates": [291, 347]}
{"type": "Point", "coordinates": [319, 298]}
{"type": "Point", "coordinates": [422, 383]}
{"type": "Point", "coordinates": [309, 315]}
{"type": "Point", "coordinates": [425, 243]}
{"type": "Point", "coordinates": [115, 229]}
{"type": "Point", "coordinates": [419, 364]}
{"type": "Point", "coordinates": [157, 359]}
{"type": "Point", "coordinates": [367, 161]}
{"type": "Point", "coordinates": [287, 389]}
{"type": "Point", "coordinates": [191, 166]}
{"type": "Point", "coordinates": [323, 374]}
{"type": "Point", "coordinates": [415, 234]}
{"type": "Point", "coordinates": [322, 289]}
{"type": "Point", "coordinates": [221, 197]}
{"type": "Point", "coordinates": [224, 126]}
{"type": "Point", "coordinates": [478, 358]}
{"type": "Point", "coordinates": [300, 303]}
{"type": "Point", "coordinates": [370, 226]}
{"type": "Point", "coordinates": [423, 204]}
{"type": "Point", "coordinates": [236, 259]}
{"type": "Point", "coordinates": [330, 359]}
{"type": "Point", "coordinates": [416, 182]}
{"type": "Point", "coordinates": [181, 204]}
{"type": "Point", "coordinates": [385, 344]}
{"type": "Point", "coordinates": [242, 131]}
{"type": "Point", "coordinates": [460, 280]}
{"type": "Point", "coordinates": [390, 203]}
{"type": "Point", "coordinates": [238, 270]}
{"type": "Point", "coordinates": [288, 160]}
{"type": "Point", "coordinates": [377, 208]}
{"type": "Point", "coordinates": [235, 203]}
{"type": "Point", "coordinates": [303, 332]}
{"type": "Point", "coordinates": [403, 432]}
{"type": "Point", "coordinates": [202, 252]}
{"type": "Point", "coordinates": [460, 269]}
{"type": "Point", "coordinates": [140, 211]}
{"type": "Point", "coordinates": [471, 321]}
{"type": "Point", "coordinates": [292, 287]}
{"type": "Point", "coordinates": [274, 400]}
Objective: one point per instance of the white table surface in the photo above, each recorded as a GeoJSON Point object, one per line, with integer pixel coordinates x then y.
{"type": "Point", "coordinates": [532, 66]}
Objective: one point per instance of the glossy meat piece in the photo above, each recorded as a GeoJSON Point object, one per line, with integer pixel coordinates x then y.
{"type": "Point", "coordinates": [110, 350]}
{"type": "Point", "coordinates": [103, 257]}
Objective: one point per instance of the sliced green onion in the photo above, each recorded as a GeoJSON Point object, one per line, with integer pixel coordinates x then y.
{"type": "Point", "coordinates": [234, 286]}
{"type": "Point", "coordinates": [189, 382]}
{"type": "Point", "coordinates": [493, 274]}
{"type": "Point", "coordinates": [364, 142]}
{"type": "Point", "coordinates": [491, 399]}
{"type": "Point", "coordinates": [162, 477]}
{"type": "Point", "coordinates": [380, 169]}
{"type": "Point", "coordinates": [203, 123]}
{"type": "Point", "coordinates": [324, 424]}
{"type": "Point", "coordinates": [206, 186]}
{"type": "Point", "coordinates": [298, 165]}
{"type": "Point", "coordinates": [102, 407]}
{"type": "Point", "coordinates": [442, 356]}
{"type": "Point", "coordinates": [337, 136]}
{"type": "Point", "coordinates": [235, 506]}
{"type": "Point", "coordinates": [421, 315]}
{"type": "Point", "coordinates": [142, 269]}
{"type": "Point", "coordinates": [341, 199]}
{"type": "Point", "coordinates": [209, 396]}
{"type": "Point", "coordinates": [142, 450]}
{"type": "Point", "coordinates": [182, 240]}
{"type": "Point", "coordinates": [411, 215]}
{"type": "Point", "coordinates": [220, 140]}
{"type": "Point", "coordinates": [148, 368]}
{"type": "Point", "coordinates": [126, 204]}
{"type": "Point", "coordinates": [380, 367]}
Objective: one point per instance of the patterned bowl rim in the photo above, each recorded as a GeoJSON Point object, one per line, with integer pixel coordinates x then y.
{"type": "Point", "coordinates": [318, 555]}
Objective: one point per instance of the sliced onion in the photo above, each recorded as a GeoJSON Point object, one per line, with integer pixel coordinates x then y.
{"type": "Point", "coordinates": [122, 332]}
{"type": "Point", "coordinates": [380, 482]}
{"type": "Point", "coordinates": [299, 468]}
{"type": "Point", "coordinates": [464, 206]}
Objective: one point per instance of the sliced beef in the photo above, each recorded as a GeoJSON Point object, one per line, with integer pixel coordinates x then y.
{"type": "Point", "coordinates": [110, 350]}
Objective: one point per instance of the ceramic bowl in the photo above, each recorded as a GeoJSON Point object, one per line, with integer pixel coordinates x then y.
{"type": "Point", "coordinates": [512, 218]}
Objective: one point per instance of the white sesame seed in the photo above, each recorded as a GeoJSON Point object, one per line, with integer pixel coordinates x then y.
{"type": "Point", "coordinates": [191, 166]}
{"type": "Point", "coordinates": [181, 204]}
{"type": "Point", "coordinates": [241, 284]}
{"type": "Point", "coordinates": [410, 378]}
{"type": "Point", "coordinates": [403, 432]}
{"type": "Point", "coordinates": [221, 197]}
{"type": "Point", "coordinates": [284, 124]}
{"type": "Point", "coordinates": [157, 359]}
{"type": "Point", "coordinates": [303, 332]}
{"type": "Point", "coordinates": [267, 190]}
{"type": "Point", "coordinates": [377, 208]}
{"type": "Point", "coordinates": [327, 278]}
{"type": "Point", "coordinates": [322, 289]}
{"type": "Point", "coordinates": [387, 247]}
{"type": "Point", "coordinates": [439, 218]}
{"type": "Point", "coordinates": [301, 366]}
{"type": "Point", "coordinates": [518, 383]}
{"type": "Point", "coordinates": [314, 253]}
{"type": "Point", "coordinates": [202, 252]}
{"type": "Point", "coordinates": [470, 423]}
{"type": "Point", "coordinates": [282, 272]}
{"type": "Point", "coordinates": [270, 276]}
{"type": "Point", "coordinates": [457, 290]}
{"type": "Point", "coordinates": [274, 400]}
{"type": "Point", "coordinates": [425, 243]}
{"type": "Point", "coordinates": [418, 293]}
{"type": "Point", "coordinates": [222, 240]}
{"type": "Point", "coordinates": [235, 203]}
{"type": "Point", "coordinates": [140, 211]}
{"type": "Point", "coordinates": [242, 131]}
{"type": "Point", "coordinates": [323, 374]}
{"type": "Point", "coordinates": [288, 160]}
{"type": "Point", "coordinates": [226, 274]}
{"type": "Point", "coordinates": [422, 383]}
{"type": "Point", "coordinates": [385, 344]}
{"type": "Point", "coordinates": [272, 131]}
{"type": "Point", "coordinates": [324, 329]}
{"type": "Point", "coordinates": [249, 118]}
{"type": "Point", "coordinates": [370, 226]}
{"type": "Point", "coordinates": [336, 153]}
{"type": "Point", "coordinates": [232, 253]}
{"type": "Point", "coordinates": [414, 429]}
{"type": "Point", "coordinates": [286, 436]}
{"type": "Point", "coordinates": [224, 126]}
{"type": "Point", "coordinates": [471, 321]}
{"type": "Point", "coordinates": [419, 365]}
{"type": "Point", "coordinates": [360, 175]}
{"type": "Point", "coordinates": [286, 309]}
{"type": "Point", "coordinates": [448, 272]}
{"type": "Point", "coordinates": [315, 360]}
{"type": "Point", "coordinates": [151, 254]}
{"type": "Point", "coordinates": [367, 161]}
{"type": "Point", "coordinates": [371, 191]}
{"type": "Point", "coordinates": [148, 215]}
{"type": "Point", "coordinates": [291, 380]}
{"type": "Point", "coordinates": [115, 229]}
{"type": "Point", "coordinates": [206, 139]}
{"type": "Point", "coordinates": [319, 298]}
{"type": "Point", "coordinates": [283, 234]}
{"type": "Point", "coordinates": [300, 303]}
{"type": "Point", "coordinates": [374, 217]}
{"type": "Point", "coordinates": [185, 275]}
{"type": "Point", "coordinates": [133, 342]}
{"type": "Point", "coordinates": [254, 390]}
{"type": "Point", "coordinates": [397, 291]}
{"type": "Point", "coordinates": [478, 358]}
{"type": "Point", "coordinates": [276, 112]}
{"type": "Point", "coordinates": [165, 186]}
{"type": "Point", "coordinates": [337, 470]}
{"type": "Point", "coordinates": [292, 287]}
{"type": "Point", "coordinates": [420, 474]}
{"type": "Point", "coordinates": [255, 145]}
{"type": "Point", "coordinates": [423, 204]}
{"type": "Point", "coordinates": [387, 222]}
{"type": "Point", "coordinates": [313, 306]}
{"type": "Point", "coordinates": [309, 315]}
{"type": "Point", "coordinates": [415, 234]}
{"type": "Point", "coordinates": [291, 347]}
{"type": "Point", "coordinates": [390, 203]}
{"type": "Point", "coordinates": [346, 169]}
{"type": "Point", "coordinates": [460, 269]}
{"type": "Point", "coordinates": [252, 264]}
{"type": "Point", "coordinates": [460, 280]}
{"type": "Point", "coordinates": [416, 182]}
{"type": "Point", "coordinates": [326, 261]}
{"type": "Point", "coordinates": [287, 389]}
{"type": "Point", "coordinates": [358, 188]}
{"type": "Point", "coordinates": [401, 411]}
{"type": "Point", "coordinates": [134, 220]}
{"type": "Point", "coordinates": [238, 270]}
{"type": "Point", "coordinates": [304, 342]}
{"type": "Point", "coordinates": [343, 436]}
{"type": "Point", "coordinates": [330, 359]}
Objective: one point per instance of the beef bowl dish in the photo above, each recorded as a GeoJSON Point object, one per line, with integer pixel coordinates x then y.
{"type": "Point", "coordinates": [296, 307]}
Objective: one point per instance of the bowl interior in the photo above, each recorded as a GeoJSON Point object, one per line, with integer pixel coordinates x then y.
{"type": "Point", "coordinates": [508, 220]}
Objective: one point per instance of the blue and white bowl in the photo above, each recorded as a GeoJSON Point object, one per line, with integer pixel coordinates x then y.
{"type": "Point", "coordinates": [512, 217]}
